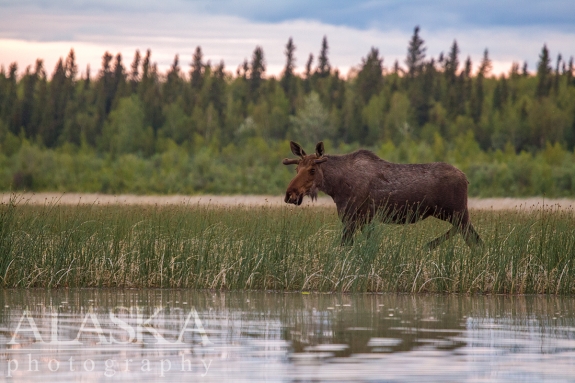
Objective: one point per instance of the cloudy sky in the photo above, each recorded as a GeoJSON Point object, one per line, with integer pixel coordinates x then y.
{"type": "Point", "coordinates": [229, 30]}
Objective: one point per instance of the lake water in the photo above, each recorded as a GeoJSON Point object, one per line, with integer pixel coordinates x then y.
{"type": "Point", "coordinates": [96, 335]}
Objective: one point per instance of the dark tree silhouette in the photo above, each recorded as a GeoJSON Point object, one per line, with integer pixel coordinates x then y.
{"type": "Point", "coordinates": [543, 74]}
{"type": "Point", "coordinates": [415, 54]}
{"type": "Point", "coordinates": [323, 65]}
{"type": "Point", "coordinates": [370, 76]}
{"type": "Point", "coordinates": [257, 69]}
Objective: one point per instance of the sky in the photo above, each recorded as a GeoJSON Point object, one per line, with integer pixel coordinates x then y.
{"type": "Point", "coordinates": [229, 30]}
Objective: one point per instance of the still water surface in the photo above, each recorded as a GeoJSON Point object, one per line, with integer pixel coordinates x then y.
{"type": "Point", "coordinates": [94, 335]}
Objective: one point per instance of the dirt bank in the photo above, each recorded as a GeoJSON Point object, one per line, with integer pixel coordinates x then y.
{"type": "Point", "coordinates": [255, 200]}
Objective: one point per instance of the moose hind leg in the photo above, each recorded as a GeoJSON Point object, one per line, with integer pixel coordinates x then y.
{"type": "Point", "coordinates": [442, 238]}
{"type": "Point", "coordinates": [471, 236]}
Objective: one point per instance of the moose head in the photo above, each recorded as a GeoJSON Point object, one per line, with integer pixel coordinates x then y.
{"type": "Point", "coordinates": [308, 175]}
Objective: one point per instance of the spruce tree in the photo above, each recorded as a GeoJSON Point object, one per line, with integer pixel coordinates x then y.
{"type": "Point", "coordinates": [197, 71]}
{"type": "Point", "coordinates": [415, 54]}
{"type": "Point", "coordinates": [135, 72]}
{"type": "Point", "coordinates": [7, 110]}
{"type": "Point", "coordinates": [557, 74]}
{"type": "Point", "coordinates": [451, 64]}
{"type": "Point", "coordinates": [54, 123]}
{"type": "Point", "coordinates": [543, 74]}
{"type": "Point", "coordinates": [500, 94]}
{"type": "Point", "coordinates": [87, 80]}
{"type": "Point", "coordinates": [119, 79]}
{"type": "Point", "coordinates": [323, 66]}
{"type": "Point", "coordinates": [257, 69]}
{"type": "Point", "coordinates": [454, 104]}
{"type": "Point", "coordinates": [288, 72]}
{"type": "Point", "coordinates": [173, 85]}
{"type": "Point", "coordinates": [217, 89]}
{"type": "Point", "coordinates": [40, 98]}
{"type": "Point", "coordinates": [370, 77]}
{"type": "Point", "coordinates": [524, 70]}
{"type": "Point", "coordinates": [28, 82]}
{"type": "Point", "coordinates": [308, 74]}
{"type": "Point", "coordinates": [569, 72]}
{"type": "Point", "coordinates": [477, 100]}
{"type": "Point", "coordinates": [467, 80]}
{"type": "Point", "coordinates": [105, 86]}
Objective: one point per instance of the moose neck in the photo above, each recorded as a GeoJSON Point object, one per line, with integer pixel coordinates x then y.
{"type": "Point", "coordinates": [332, 176]}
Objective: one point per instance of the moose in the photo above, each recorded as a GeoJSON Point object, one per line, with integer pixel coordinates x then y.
{"type": "Point", "coordinates": [364, 186]}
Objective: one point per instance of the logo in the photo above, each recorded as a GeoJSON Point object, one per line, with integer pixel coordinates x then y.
{"type": "Point", "coordinates": [160, 343]}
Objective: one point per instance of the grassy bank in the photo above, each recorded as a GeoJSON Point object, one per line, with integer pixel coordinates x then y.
{"type": "Point", "coordinates": [283, 248]}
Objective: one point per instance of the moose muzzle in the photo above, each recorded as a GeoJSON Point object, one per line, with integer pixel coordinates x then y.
{"type": "Point", "coordinates": [293, 197]}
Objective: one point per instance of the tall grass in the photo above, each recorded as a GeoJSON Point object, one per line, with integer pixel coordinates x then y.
{"type": "Point", "coordinates": [274, 248]}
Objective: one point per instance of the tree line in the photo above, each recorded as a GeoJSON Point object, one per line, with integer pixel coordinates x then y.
{"type": "Point", "coordinates": [428, 108]}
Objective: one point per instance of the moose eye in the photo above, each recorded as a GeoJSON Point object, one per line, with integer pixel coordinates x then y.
{"type": "Point", "coordinates": [312, 171]}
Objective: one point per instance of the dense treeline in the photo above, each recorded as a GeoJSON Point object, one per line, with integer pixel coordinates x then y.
{"type": "Point", "coordinates": [204, 130]}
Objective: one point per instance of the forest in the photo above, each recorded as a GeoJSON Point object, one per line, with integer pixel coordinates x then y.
{"type": "Point", "coordinates": [200, 129]}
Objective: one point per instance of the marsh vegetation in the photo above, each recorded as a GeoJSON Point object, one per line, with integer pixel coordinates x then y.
{"type": "Point", "coordinates": [279, 248]}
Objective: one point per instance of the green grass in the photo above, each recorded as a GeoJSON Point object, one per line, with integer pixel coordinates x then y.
{"type": "Point", "coordinates": [286, 248]}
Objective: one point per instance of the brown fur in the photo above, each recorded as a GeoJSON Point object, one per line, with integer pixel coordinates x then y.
{"type": "Point", "coordinates": [363, 186]}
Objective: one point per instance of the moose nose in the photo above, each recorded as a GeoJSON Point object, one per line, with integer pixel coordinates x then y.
{"type": "Point", "coordinates": [293, 197]}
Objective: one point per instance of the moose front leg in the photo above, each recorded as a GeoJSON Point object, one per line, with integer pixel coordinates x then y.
{"type": "Point", "coordinates": [349, 228]}
{"type": "Point", "coordinates": [351, 224]}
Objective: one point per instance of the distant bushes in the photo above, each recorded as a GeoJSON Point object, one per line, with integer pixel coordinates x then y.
{"type": "Point", "coordinates": [253, 166]}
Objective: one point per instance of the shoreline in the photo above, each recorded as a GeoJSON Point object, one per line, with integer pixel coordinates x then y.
{"type": "Point", "coordinates": [503, 203]}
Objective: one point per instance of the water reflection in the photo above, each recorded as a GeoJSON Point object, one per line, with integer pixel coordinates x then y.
{"type": "Point", "coordinates": [153, 335]}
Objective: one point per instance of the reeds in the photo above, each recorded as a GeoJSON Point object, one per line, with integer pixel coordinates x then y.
{"type": "Point", "coordinates": [289, 248]}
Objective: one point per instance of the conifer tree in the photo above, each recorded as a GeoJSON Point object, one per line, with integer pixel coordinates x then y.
{"type": "Point", "coordinates": [173, 85]}
{"type": "Point", "coordinates": [557, 74]}
{"type": "Point", "coordinates": [105, 85]}
{"type": "Point", "coordinates": [454, 104]}
{"type": "Point", "coordinates": [197, 71]}
{"type": "Point", "coordinates": [54, 123]}
{"type": "Point", "coordinates": [146, 76]}
{"type": "Point", "coordinates": [288, 72]}
{"type": "Point", "coordinates": [396, 68]}
{"type": "Point", "coordinates": [370, 76]}
{"type": "Point", "coordinates": [323, 66]}
{"type": "Point", "coordinates": [452, 63]}
{"type": "Point", "coordinates": [40, 98]}
{"type": "Point", "coordinates": [308, 74]}
{"type": "Point", "coordinates": [467, 86]}
{"type": "Point", "coordinates": [524, 70]}
{"type": "Point", "coordinates": [135, 72]}
{"type": "Point", "coordinates": [10, 96]}
{"type": "Point", "coordinates": [477, 100]}
{"type": "Point", "coordinates": [26, 106]}
{"type": "Point", "coordinates": [217, 89]}
{"type": "Point", "coordinates": [415, 54]}
{"type": "Point", "coordinates": [569, 72]}
{"type": "Point", "coordinates": [543, 74]}
{"type": "Point", "coordinates": [500, 93]}
{"type": "Point", "coordinates": [119, 79]}
{"type": "Point", "coordinates": [257, 69]}
{"type": "Point", "coordinates": [87, 80]}
{"type": "Point", "coordinates": [71, 68]}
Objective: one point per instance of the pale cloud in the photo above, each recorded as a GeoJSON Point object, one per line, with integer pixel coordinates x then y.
{"type": "Point", "coordinates": [49, 29]}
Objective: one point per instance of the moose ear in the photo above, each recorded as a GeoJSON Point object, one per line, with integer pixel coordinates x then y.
{"type": "Point", "coordinates": [319, 149]}
{"type": "Point", "coordinates": [296, 149]}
